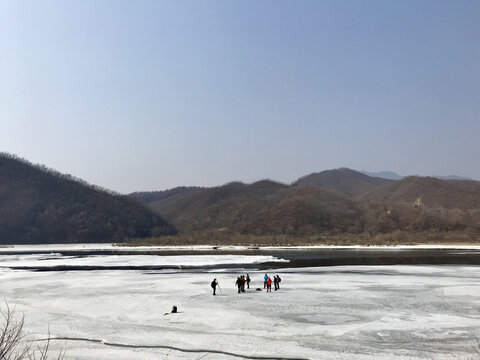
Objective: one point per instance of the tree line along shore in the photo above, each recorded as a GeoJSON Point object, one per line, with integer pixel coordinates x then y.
{"type": "Point", "coordinates": [389, 239]}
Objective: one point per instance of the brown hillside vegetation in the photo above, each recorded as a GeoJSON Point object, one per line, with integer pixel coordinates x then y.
{"type": "Point", "coordinates": [433, 192]}
{"type": "Point", "coordinates": [264, 207]}
{"type": "Point", "coordinates": [38, 205]}
{"type": "Point", "coordinates": [161, 199]}
{"type": "Point", "coordinates": [390, 217]}
{"type": "Point", "coordinates": [267, 208]}
{"type": "Point", "coordinates": [344, 181]}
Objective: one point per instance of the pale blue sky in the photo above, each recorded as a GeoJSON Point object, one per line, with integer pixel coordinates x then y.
{"type": "Point", "coordinates": [148, 95]}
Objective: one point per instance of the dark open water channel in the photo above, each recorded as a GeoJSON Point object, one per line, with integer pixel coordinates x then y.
{"type": "Point", "coordinates": [297, 257]}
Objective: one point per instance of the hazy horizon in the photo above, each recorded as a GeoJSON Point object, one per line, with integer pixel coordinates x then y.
{"type": "Point", "coordinates": [153, 95]}
{"type": "Point", "coordinates": [369, 173]}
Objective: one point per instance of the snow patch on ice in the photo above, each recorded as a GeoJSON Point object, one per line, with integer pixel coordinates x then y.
{"type": "Point", "coordinates": [53, 260]}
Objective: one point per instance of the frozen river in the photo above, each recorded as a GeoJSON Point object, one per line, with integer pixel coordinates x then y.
{"type": "Point", "coordinates": [337, 312]}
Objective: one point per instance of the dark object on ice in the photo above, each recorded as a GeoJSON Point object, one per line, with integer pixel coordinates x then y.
{"type": "Point", "coordinates": [239, 284]}
{"type": "Point", "coordinates": [214, 285]}
{"type": "Point", "coordinates": [174, 311]}
{"type": "Point", "coordinates": [258, 289]}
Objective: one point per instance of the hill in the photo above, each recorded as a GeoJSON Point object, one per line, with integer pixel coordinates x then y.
{"type": "Point", "coordinates": [160, 199]}
{"type": "Point", "coordinates": [452, 177]}
{"type": "Point", "coordinates": [390, 175]}
{"type": "Point", "coordinates": [343, 181]}
{"type": "Point", "coordinates": [147, 197]}
{"type": "Point", "coordinates": [264, 207]}
{"type": "Point", "coordinates": [38, 205]}
{"type": "Point", "coordinates": [394, 176]}
{"type": "Point", "coordinates": [265, 210]}
{"type": "Point", "coordinates": [432, 192]}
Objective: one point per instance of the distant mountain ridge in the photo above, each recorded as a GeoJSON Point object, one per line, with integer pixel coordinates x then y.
{"type": "Point", "coordinates": [38, 205]}
{"type": "Point", "coordinates": [343, 181]}
{"type": "Point", "coordinates": [452, 177]}
{"type": "Point", "coordinates": [391, 175]}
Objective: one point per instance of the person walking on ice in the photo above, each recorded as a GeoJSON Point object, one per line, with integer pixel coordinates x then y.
{"type": "Point", "coordinates": [269, 285]}
{"type": "Point", "coordinates": [248, 282]}
{"type": "Point", "coordinates": [265, 278]}
{"type": "Point", "coordinates": [278, 281]}
{"type": "Point", "coordinates": [214, 284]}
{"type": "Point", "coordinates": [239, 284]}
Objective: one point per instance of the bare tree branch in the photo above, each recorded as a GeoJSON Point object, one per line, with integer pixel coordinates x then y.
{"type": "Point", "coordinates": [13, 342]}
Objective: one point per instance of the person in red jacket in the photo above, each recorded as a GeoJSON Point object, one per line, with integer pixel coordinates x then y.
{"type": "Point", "coordinates": [269, 284]}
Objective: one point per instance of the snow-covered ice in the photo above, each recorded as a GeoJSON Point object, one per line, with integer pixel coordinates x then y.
{"type": "Point", "coordinates": [344, 312]}
{"type": "Point", "coordinates": [106, 261]}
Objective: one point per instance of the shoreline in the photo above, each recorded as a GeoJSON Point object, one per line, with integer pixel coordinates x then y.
{"type": "Point", "coordinates": [219, 247]}
{"type": "Point", "coordinates": [87, 257]}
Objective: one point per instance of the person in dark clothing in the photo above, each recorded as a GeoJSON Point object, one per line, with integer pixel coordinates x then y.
{"type": "Point", "coordinates": [174, 311]}
{"type": "Point", "coordinates": [275, 283]}
{"type": "Point", "coordinates": [239, 284]}
{"type": "Point", "coordinates": [278, 281]}
{"type": "Point", "coordinates": [248, 282]}
{"type": "Point", "coordinates": [214, 284]}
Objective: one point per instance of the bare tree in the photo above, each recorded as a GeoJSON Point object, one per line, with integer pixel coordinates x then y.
{"type": "Point", "coordinates": [476, 347]}
{"type": "Point", "coordinates": [13, 342]}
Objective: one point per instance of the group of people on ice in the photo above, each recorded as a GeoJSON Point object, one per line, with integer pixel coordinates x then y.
{"type": "Point", "coordinates": [267, 282]}
{"type": "Point", "coordinates": [242, 280]}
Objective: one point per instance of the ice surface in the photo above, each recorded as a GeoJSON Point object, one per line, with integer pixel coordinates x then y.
{"type": "Point", "coordinates": [55, 259]}
{"type": "Point", "coordinates": [345, 312]}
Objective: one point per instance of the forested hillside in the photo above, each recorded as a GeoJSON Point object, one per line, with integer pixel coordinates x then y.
{"type": "Point", "coordinates": [430, 192]}
{"type": "Point", "coordinates": [158, 200]}
{"type": "Point", "coordinates": [264, 207]}
{"type": "Point", "coordinates": [329, 203]}
{"type": "Point", "coordinates": [38, 205]}
{"type": "Point", "coordinates": [344, 181]}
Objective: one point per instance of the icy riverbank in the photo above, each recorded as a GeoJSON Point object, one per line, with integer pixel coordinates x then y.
{"type": "Point", "coordinates": [106, 246]}
{"type": "Point", "coordinates": [107, 256]}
